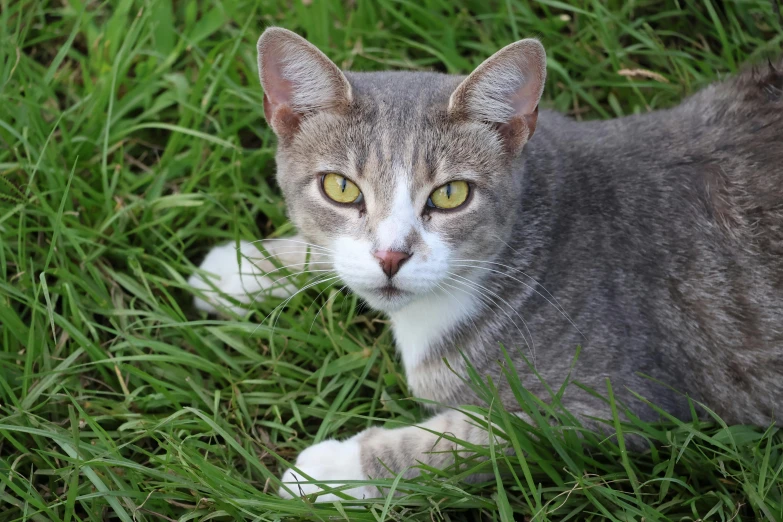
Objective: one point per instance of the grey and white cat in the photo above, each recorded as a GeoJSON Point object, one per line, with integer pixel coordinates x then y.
{"type": "Point", "coordinates": [661, 235]}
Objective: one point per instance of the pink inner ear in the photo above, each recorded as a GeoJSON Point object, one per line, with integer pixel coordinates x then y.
{"type": "Point", "coordinates": [277, 88]}
{"type": "Point", "coordinates": [507, 86]}
{"type": "Point", "coordinates": [278, 94]}
{"type": "Point", "coordinates": [525, 100]}
{"type": "Point", "coordinates": [297, 78]}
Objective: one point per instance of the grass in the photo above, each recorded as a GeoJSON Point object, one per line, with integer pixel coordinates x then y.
{"type": "Point", "coordinates": [132, 140]}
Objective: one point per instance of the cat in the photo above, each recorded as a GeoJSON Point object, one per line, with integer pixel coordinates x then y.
{"type": "Point", "coordinates": [455, 207]}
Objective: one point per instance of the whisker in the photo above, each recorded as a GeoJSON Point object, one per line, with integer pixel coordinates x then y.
{"type": "Point", "coordinates": [262, 273]}
{"type": "Point", "coordinates": [256, 260]}
{"type": "Point", "coordinates": [342, 304]}
{"type": "Point", "coordinates": [315, 255]}
{"type": "Point", "coordinates": [316, 283]}
{"type": "Point", "coordinates": [284, 303]}
{"type": "Point", "coordinates": [319, 295]}
{"type": "Point", "coordinates": [477, 290]}
{"type": "Point", "coordinates": [310, 331]}
{"type": "Point", "coordinates": [483, 300]}
{"type": "Point", "coordinates": [257, 276]}
{"type": "Point", "coordinates": [311, 245]}
{"type": "Point", "coordinates": [299, 273]}
{"type": "Point", "coordinates": [306, 263]}
{"type": "Point", "coordinates": [557, 307]}
{"type": "Point", "coordinates": [530, 345]}
{"type": "Point", "coordinates": [293, 274]}
{"type": "Point", "coordinates": [475, 327]}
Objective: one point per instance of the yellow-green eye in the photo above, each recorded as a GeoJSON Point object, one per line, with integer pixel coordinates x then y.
{"type": "Point", "coordinates": [451, 195]}
{"type": "Point", "coordinates": [340, 189]}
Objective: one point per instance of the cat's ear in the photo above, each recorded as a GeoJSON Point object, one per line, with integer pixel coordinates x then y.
{"type": "Point", "coordinates": [505, 90]}
{"type": "Point", "coordinates": [298, 80]}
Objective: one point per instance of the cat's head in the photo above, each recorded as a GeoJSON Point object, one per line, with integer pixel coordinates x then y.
{"type": "Point", "coordinates": [404, 177]}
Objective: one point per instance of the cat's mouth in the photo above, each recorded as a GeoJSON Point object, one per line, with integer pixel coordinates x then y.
{"type": "Point", "coordinates": [390, 291]}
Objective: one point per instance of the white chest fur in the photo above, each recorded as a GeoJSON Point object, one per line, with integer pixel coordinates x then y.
{"type": "Point", "coordinates": [427, 321]}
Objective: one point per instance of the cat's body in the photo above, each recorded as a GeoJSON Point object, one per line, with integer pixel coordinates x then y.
{"type": "Point", "coordinates": [655, 241]}
{"type": "Point", "coordinates": [661, 237]}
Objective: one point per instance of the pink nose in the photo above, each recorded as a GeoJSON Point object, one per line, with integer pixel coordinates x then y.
{"type": "Point", "coordinates": [391, 260]}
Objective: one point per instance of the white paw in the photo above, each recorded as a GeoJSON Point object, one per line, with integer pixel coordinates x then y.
{"type": "Point", "coordinates": [330, 460]}
{"type": "Point", "coordinates": [240, 278]}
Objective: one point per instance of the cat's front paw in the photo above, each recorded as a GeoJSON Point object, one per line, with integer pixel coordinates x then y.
{"type": "Point", "coordinates": [241, 277]}
{"type": "Point", "coordinates": [329, 461]}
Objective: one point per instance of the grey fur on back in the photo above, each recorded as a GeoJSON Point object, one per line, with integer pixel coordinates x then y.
{"type": "Point", "coordinates": [662, 236]}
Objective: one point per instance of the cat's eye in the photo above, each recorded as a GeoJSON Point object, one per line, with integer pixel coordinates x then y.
{"type": "Point", "coordinates": [340, 189]}
{"type": "Point", "coordinates": [449, 196]}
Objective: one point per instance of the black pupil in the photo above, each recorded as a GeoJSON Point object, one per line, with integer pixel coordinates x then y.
{"type": "Point", "coordinates": [343, 184]}
{"type": "Point", "coordinates": [448, 191]}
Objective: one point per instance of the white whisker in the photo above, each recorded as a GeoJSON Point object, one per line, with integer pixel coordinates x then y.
{"type": "Point", "coordinates": [481, 294]}
{"type": "Point", "coordinates": [293, 274]}
{"type": "Point", "coordinates": [311, 245]}
{"type": "Point", "coordinates": [262, 292]}
{"type": "Point", "coordinates": [305, 253]}
{"type": "Point", "coordinates": [441, 286]}
{"type": "Point", "coordinates": [484, 300]}
{"type": "Point", "coordinates": [530, 345]}
{"type": "Point", "coordinates": [284, 303]}
{"type": "Point", "coordinates": [306, 263]}
{"type": "Point", "coordinates": [325, 303]}
{"type": "Point", "coordinates": [556, 307]}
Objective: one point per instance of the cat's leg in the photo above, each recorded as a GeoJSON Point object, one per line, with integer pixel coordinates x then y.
{"type": "Point", "coordinates": [381, 453]}
{"type": "Point", "coordinates": [252, 273]}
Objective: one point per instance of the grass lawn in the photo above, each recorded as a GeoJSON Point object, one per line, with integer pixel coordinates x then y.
{"type": "Point", "coordinates": [132, 140]}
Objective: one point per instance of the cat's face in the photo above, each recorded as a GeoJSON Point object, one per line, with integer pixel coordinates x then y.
{"type": "Point", "coordinates": [369, 180]}
{"type": "Point", "coordinates": [396, 174]}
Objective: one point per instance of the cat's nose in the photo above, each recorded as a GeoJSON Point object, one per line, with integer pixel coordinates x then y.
{"type": "Point", "coordinates": [391, 260]}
